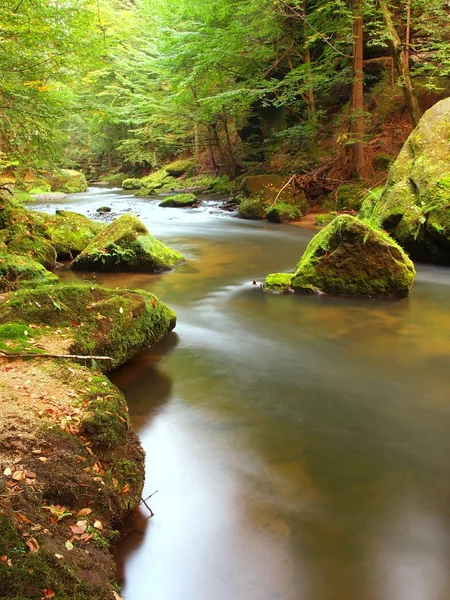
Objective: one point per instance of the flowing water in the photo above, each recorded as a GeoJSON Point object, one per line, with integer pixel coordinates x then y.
{"type": "Point", "coordinates": [300, 445]}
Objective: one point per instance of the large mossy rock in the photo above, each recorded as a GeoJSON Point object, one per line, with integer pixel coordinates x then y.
{"type": "Point", "coordinates": [68, 181]}
{"type": "Point", "coordinates": [132, 184]}
{"type": "Point", "coordinates": [22, 271]}
{"type": "Point", "coordinates": [415, 204]}
{"type": "Point", "coordinates": [351, 258]}
{"type": "Point", "coordinates": [126, 245]}
{"type": "Point", "coordinates": [179, 167]}
{"type": "Point", "coordinates": [179, 201]}
{"type": "Point", "coordinates": [252, 208]}
{"type": "Point", "coordinates": [100, 321]}
{"type": "Point", "coordinates": [69, 232]}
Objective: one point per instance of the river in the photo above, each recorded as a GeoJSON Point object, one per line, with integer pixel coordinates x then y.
{"type": "Point", "coordinates": [299, 446]}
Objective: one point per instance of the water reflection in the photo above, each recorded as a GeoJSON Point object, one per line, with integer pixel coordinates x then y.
{"type": "Point", "coordinates": [299, 445]}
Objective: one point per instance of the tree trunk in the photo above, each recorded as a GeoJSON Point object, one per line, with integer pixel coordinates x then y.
{"type": "Point", "coordinates": [357, 113]}
{"type": "Point", "coordinates": [400, 55]}
{"type": "Point", "coordinates": [310, 92]}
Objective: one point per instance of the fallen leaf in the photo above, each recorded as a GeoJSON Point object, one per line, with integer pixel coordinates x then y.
{"type": "Point", "coordinates": [98, 525]}
{"type": "Point", "coordinates": [59, 556]}
{"type": "Point", "coordinates": [84, 511]}
{"type": "Point", "coordinates": [121, 310]}
{"type": "Point", "coordinates": [18, 475]}
{"type": "Point", "coordinates": [7, 472]}
{"type": "Point", "coordinates": [32, 545]}
{"type": "Point", "coordinates": [126, 488]}
{"type": "Point", "coordinates": [48, 593]}
{"type": "Point", "coordinates": [69, 545]}
{"type": "Point", "coordinates": [79, 528]}
{"type": "Point", "coordinates": [43, 459]}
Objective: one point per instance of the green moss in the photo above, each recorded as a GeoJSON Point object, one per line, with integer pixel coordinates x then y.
{"type": "Point", "coordinates": [252, 208]}
{"type": "Point", "coordinates": [414, 206]}
{"type": "Point", "coordinates": [115, 178]}
{"type": "Point", "coordinates": [326, 218]}
{"type": "Point", "coordinates": [156, 179]}
{"type": "Point", "coordinates": [31, 183]}
{"type": "Point", "coordinates": [132, 184]}
{"type": "Point", "coordinates": [126, 245]}
{"type": "Point", "coordinates": [349, 257]}
{"type": "Point", "coordinates": [278, 282]}
{"type": "Point", "coordinates": [68, 181]}
{"type": "Point", "coordinates": [68, 231]}
{"type": "Point", "coordinates": [179, 200]}
{"type": "Point", "coordinates": [18, 271]}
{"type": "Point", "coordinates": [179, 167]}
{"type": "Point", "coordinates": [115, 323]}
{"type": "Point", "coordinates": [36, 247]}
{"type": "Point", "coordinates": [282, 213]}
{"type": "Point", "coordinates": [349, 196]}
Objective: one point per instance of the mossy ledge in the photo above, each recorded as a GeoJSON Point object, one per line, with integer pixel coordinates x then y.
{"type": "Point", "coordinates": [349, 258]}
{"type": "Point", "coordinates": [76, 470]}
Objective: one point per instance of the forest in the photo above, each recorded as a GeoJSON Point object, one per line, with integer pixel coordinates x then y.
{"type": "Point", "coordinates": [224, 275]}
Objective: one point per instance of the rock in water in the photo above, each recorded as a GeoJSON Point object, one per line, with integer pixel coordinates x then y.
{"type": "Point", "coordinates": [415, 204]}
{"type": "Point", "coordinates": [126, 245]}
{"type": "Point", "coordinates": [350, 258]}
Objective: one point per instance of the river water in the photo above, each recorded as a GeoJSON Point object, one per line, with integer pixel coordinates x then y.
{"type": "Point", "coordinates": [300, 445]}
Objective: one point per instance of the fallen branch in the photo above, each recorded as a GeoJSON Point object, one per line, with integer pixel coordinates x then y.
{"type": "Point", "coordinates": [282, 190]}
{"type": "Point", "coordinates": [6, 354]}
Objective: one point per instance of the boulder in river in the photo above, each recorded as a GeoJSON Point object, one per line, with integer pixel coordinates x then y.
{"type": "Point", "coordinates": [132, 184]}
{"type": "Point", "coordinates": [415, 204]}
{"type": "Point", "coordinates": [351, 258]}
{"type": "Point", "coordinates": [179, 200]}
{"type": "Point", "coordinates": [126, 245]}
{"type": "Point", "coordinates": [280, 212]}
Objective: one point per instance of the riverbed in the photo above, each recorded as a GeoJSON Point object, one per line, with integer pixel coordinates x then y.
{"type": "Point", "coordinates": [299, 445]}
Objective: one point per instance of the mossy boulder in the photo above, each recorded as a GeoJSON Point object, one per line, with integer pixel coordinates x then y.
{"type": "Point", "coordinates": [101, 321]}
{"type": "Point", "coordinates": [36, 247]}
{"type": "Point", "coordinates": [268, 187]}
{"type": "Point", "coordinates": [280, 212]}
{"type": "Point", "coordinates": [252, 208]}
{"type": "Point", "coordinates": [69, 232]}
{"type": "Point", "coordinates": [156, 180]}
{"type": "Point", "coordinates": [179, 167]}
{"type": "Point", "coordinates": [126, 245]}
{"type": "Point", "coordinates": [68, 181]}
{"type": "Point", "coordinates": [179, 200]}
{"type": "Point", "coordinates": [351, 258]}
{"type": "Point", "coordinates": [415, 204]}
{"type": "Point", "coordinates": [132, 184]}
{"type": "Point", "coordinates": [33, 184]}
{"type": "Point", "coordinates": [18, 271]}
{"type": "Point", "coordinates": [278, 283]}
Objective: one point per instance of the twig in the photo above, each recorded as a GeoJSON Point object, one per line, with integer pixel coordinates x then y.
{"type": "Point", "coordinates": [282, 189]}
{"type": "Point", "coordinates": [6, 354]}
{"type": "Point", "coordinates": [144, 501]}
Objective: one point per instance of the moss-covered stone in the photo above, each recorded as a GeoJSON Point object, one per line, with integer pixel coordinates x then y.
{"type": "Point", "coordinates": [252, 208]}
{"type": "Point", "coordinates": [278, 283]}
{"type": "Point", "coordinates": [268, 187]}
{"type": "Point", "coordinates": [115, 323]}
{"type": "Point", "coordinates": [36, 247]}
{"type": "Point", "coordinates": [179, 200]}
{"type": "Point", "coordinates": [132, 184]}
{"type": "Point", "coordinates": [126, 245]}
{"type": "Point", "coordinates": [415, 203]}
{"type": "Point", "coordinates": [325, 218]}
{"type": "Point", "coordinates": [156, 180]}
{"type": "Point", "coordinates": [69, 232]}
{"type": "Point", "coordinates": [18, 271]}
{"type": "Point", "coordinates": [280, 212]}
{"type": "Point", "coordinates": [179, 167]}
{"type": "Point", "coordinates": [68, 181]}
{"type": "Point", "coordinates": [349, 257]}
